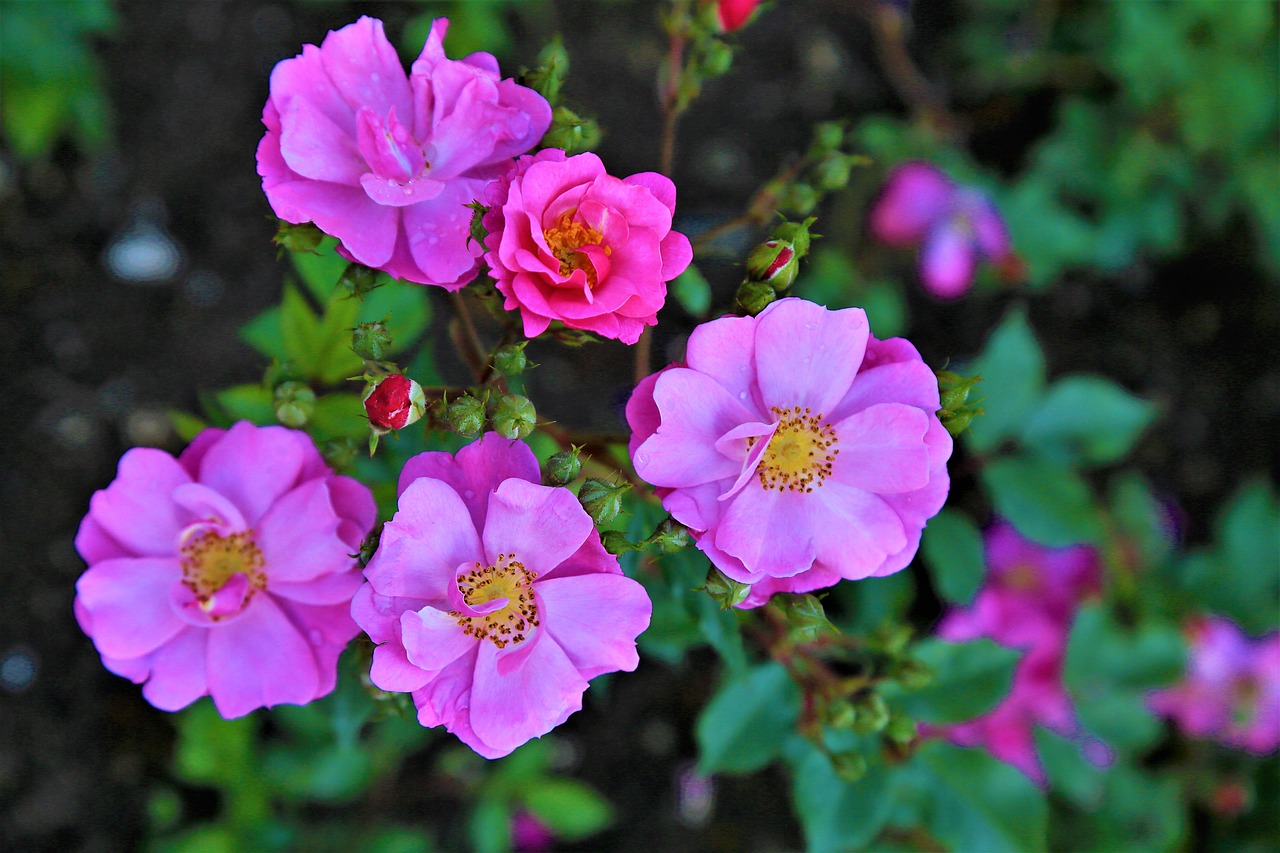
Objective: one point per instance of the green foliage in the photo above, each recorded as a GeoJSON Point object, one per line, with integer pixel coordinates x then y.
{"type": "Point", "coordinates": [952, 546]}
{"type": "Point", "coordinates": [969, 680]}
{"type": "Point", "coordinates": [835, 814]}
{"type": "Point", "coordinates": [745, 725]}
{"type": "Point", "coordinates": [1047, 501]}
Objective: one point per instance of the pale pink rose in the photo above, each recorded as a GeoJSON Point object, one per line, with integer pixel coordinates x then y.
{"type": "Point", "coordinates": [797, 448]}
{"type": "Point", "coordinates": [226, 572]}
{"type": "Point", "coordinates": [492, 600]}
{"type": "Point", "coordinates": [386, 162]}
{"type": "Point", "coordinates": [569, 242]}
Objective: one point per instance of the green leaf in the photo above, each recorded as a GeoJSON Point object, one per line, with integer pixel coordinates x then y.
{"type": "Point", "coordinates": [1086, 419]}
{"type": "Point", "coordinates": [974, 802]}
{"type": "Point", "coordinates": [1143, 522]}
{"type": "Point", "coordinates": [969, 680]}
{"type": "Point", "coordinates": [1068, 771]}
{"type": "Point", "coordinates": [250, 402]}
{"type": "Point", "coordinates": [1045, 500]}
{"type": "Point", "coordinates": [834, 814]}
{"type": "Point", "coordinates": [319, 346]}
{"type": "Point", "coordinates": [339, 415]}
{"type": "Point", "coordinates": [952, 546]}
{"type": "Point", "coordinates": [405, 308]}
{"type": "Point", "coordinates": [321, 269]}
{"type": "Point", "coordinates": [746, 722]}
{"type": "Point", "coordinates": [873, 602]}
{"type": "Point", "coordinates": [489, 826]}
{"type": "Point", "coordinates": [1012, 370]}
{"type": "Point", "coordinates": [570, 809]}
{"type": "Point", "coordinates": [693, 293]}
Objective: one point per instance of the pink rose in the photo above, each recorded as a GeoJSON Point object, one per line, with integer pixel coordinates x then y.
{"type": "Point", "coordinates": [732, 14]}
{"type": "Point", "coordinates": [569, 242]}
{"type": "Point", "coordinates": [387, 163]}
{"type": "Point", "coordinates": [226, 572]}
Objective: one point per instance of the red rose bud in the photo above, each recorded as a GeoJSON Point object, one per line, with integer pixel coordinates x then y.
{"type": "Point", "coordinates": [394, 403]}
{"type": "Point", "coordinates": [733, 14]}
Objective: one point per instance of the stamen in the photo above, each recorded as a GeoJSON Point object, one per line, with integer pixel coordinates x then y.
{"type": "Point", "coordinates": [566, 237]}
{"type": "Point", "coordinates": [508, 579]}
{"type": "Point", "coordinates": [210, 560]}
{"type": "Point", "coordinates": [801, 452]}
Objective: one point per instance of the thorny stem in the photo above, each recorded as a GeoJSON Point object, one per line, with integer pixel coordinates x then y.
{"type": "Point", "coordinates": [466, 339]}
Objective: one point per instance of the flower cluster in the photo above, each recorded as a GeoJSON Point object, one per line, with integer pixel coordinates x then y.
{"type": "Point", "coordinates": [1028, 602]}
{"type": "Point", "coordinates": [795, 446]}
{"type": "Point", "coordinates": [226, 572]}
{"type": "Point", "coordinates": [955, 226]}
{"type": "Point", "coordinates": [1231, 691]}
{"type": "Point", "coordinates": [492, 600]}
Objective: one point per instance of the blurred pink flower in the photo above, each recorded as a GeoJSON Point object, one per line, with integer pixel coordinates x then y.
{"type": "Point", "coordinates": [956, 226]}
{"type": "Point", "coordinates": [1028, 602]}
{"type": "Point", "coordinates": [734, 13]}
{"type": "Point", "coordinates": [492, 600]}
{"type": "Point", "coordinates": [387, 163]}
{"type": "Point", "coordinates": [797, 448]}
{"type": "Point", "coordinates": [530, 835]}
{"type": "Point", "coordinates": [226, 572]}
{"type": "Point", "coordinates": [569, 242]}
{"type": "Point", "coordinates": [1231, 691]}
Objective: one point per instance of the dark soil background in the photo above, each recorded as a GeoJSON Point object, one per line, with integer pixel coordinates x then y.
{"type": "Point", "coordinates": [91, 363]}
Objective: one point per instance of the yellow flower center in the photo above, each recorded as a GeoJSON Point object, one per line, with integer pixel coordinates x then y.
{"type": "Point", "coordinates": [566, 237]}
{"type": "Point", "coordinates": [209, 561]}
{"type": "Point", "coordinates": [508, 579]}
{"type": "Point", "coordinates": [801, 453]}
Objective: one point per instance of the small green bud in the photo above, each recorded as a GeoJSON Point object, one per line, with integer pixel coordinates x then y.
{"type": "Point", "coordinates": [716, 58]}
{"type": "Point", "coordinates": [563, 467]}
{"type": "Point", "coordinates": [553, 67]}
{"type": "Point", "coordinates": [841, 714]}
{"type": "Point", "coordinates": [872, 714]}
{"type": "Point", "coordinates": [616, 542]}
{"type": "Point", "coordinates": [514, 416]}
{"type": "Point", "coordinates": [724, 590]}
{"type": "Point", "coordinates": [799, 198]}
{"type": "Point", "coordinates": [901, 730]}
{"type": "Point", "coordinates": [465, 415]}
{"type": "Point", "coordinates": [303, 237]}
{"type": "Point", "coordinates": [510, 360]}
{"type": "Point", "coordinates": [601, 499]}
{"type": "Point", "coordinates": [571, 132]}
{"type": "Point", "coordinates": [357, 280]}
{"type": "Point", "coordinates": [369, 545]}
{"type": "Point", "coordinates": [832, 173]}
{"type": "Point", "coordinates": [478, 231]}
{"type": "Point", "coordinates": [775, 262]}
{"type": "Point", "coordinates": [670, 536]}
{"type": "Point", "coordinates": [797, 234]}
{"type": "Point", "coordinates": [340, 453]}
{"type": "Point", "coordinates": [295, 403]}
{"type": "Point", "coordinates": [371, 341]}
{"type": "Point", "coordinates": [279, 372]}
{"type": "Point", "coordinates": [849, 766]}
{"type": "Point", "coordinates": [913, 675]}
{"type": "Point", "coordinates": [956, 412]}
{"type": "Point", "coordinates": [755, 296]}
{"type": "Point", "coordinates": [828, 136]}
{"type": "Point", "coordinates": [805, 616]}
{"type": "Point", "coordinates": [959, 422]}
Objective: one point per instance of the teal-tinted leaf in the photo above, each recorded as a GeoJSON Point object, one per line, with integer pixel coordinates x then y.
{"type": "Point", "coordinates": [1138, 812]}
{"type": "Point", "coordinates": [952, 546]}
{"type": "Point", "coordinates": [834, 814]}
{"type": "Point", "coordinates": [405, 308]}
{"type": "Point", "coordinates": [1143, 522]}
{"type": "Point", "coordinates": [396, 840]}
{"type": "Point", "coordinates": [1068, 771]}
{"type": "Point", "coordinates": [1047, 501]}
{"type": "Point", "coordinates": [746, 722]}
{"type": "Point", "coordinates": [692, 291]}
{"type": "Point", "coordinates": [570, 809]}
{"type": "Point", "coordinates": [974, 802]}
{"type": "Point", "coordinates": [1086, 419]}
{"type": "Point", "coordinates": [211, 750]}
{"type": "Point", "coordinates": [873, 602]}
{"type": "Point", "coordinates": [249, 402]}
{"type": "Point", "coordinates": [969, 679]}
{"type": "Point", "coordinates": [489, 826]}
{"type": "Point", "coordinates": [721, 630]}
{"type": "Point", "coordinates": [1012, 370]}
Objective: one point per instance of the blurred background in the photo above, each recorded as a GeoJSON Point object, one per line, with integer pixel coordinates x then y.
{"type": "Point", "coordinates": [1131, 146]}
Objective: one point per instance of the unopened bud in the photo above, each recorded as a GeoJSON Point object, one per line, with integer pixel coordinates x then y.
{"type": "Point", "coordinates": [295, 403]}
{"type": "Point", "coordinates": [465, 415]}
{"type": "Point", "coordinates": [828, 136]}
{"type": "Point", "coordinates": [340, 453]}
{"type": "Point", "coordinates": [775, 262]}
{"type": "Point", "coordinates": [395, 402]}
{"type": "Point", "coordinates": [913, 675]}
{"type": "Point", "coordinates": [670, 536]}
{"type": "Point", "coordinates": [799, 198]}
{"type": "Point", "coordinates": [955, 410]}
{"type": "Point", "coordinates": [716, 58]}
{"type": "Point", "coordinates": [303, 237]}
{"type": "Point", "coordinates": [805, 616]}
{"type": "Point", "coordinates": [841, 714]}
{"type": "Point", "coordinates": [571, 132]}
{"type": "Point", "coordinates": [478, 231]}
{"type": "Point", "coordinates": [616, 542]}
{"type": "Point", "coordinates": [369, 545]}
{"type": "Point", "coordinates": [755, 296]}
{"type": "Point", "coordinates": [514, 416]}
{"type": "Point", "coordinates": [873, 714]}
{"type": "Point", "coordinates": [832, 173]}
{"type": "Point", "coordinates": [357, 280]}
{"type": "Point", "coordinates": [601, 499]}
{"type": "Point", "coordinates": [563, 467]}
{"type": "Point", "coordinates": [797, 234]}
{"type": "Point", "coordinates": [510, 360]}
{"type": "Point", "coordinates": [901, 730]}
{"type": "Point", "coordinates": [371, 341]}
{"type": "Point", "coordinates": [849, 766]}
{"type": "Point", "coordinates": [724, 590]}
{"type": "Point", "coordinates": [548, 77]}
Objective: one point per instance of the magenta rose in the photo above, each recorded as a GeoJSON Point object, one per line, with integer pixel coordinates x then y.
{"type": "Point", "coordinates": [227, 572]}
{"type": "Point", "coordinates": [569, 242]}
{"type": "Point", "coordinates": [386, 162]}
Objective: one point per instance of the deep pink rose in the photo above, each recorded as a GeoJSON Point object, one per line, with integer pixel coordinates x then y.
{"type": "Point", "coordinates": [797, 448]}
{"type": "Point", "coordinates": [955, 226]}
{"type": "Point", "coordinates": [569, 242]}
{"type": "Point", "coordinates": [387, 163]}
{"type": "Point", "coordinates": [492, 600]}
{"type": "Point", "coordinates": [734, 13]}
{"type": "Point", "coordinates": [1231, 690]}
{"type": "Point", "coordinates": [225, 572]}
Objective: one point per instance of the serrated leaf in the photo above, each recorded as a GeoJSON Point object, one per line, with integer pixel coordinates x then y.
{"type": "Point", "coordinates": [1045, 500]}
{"type": "Point", "coordinates": [969, 680]}
{"type": "Point", "coordinates": [1086, 420]}
{"type": "Point", "coordinates": [952, 546]}
{"type": "Point", "coordinates": [744, 726]}
{"type": "Point", "coordinates": [1012, 370]}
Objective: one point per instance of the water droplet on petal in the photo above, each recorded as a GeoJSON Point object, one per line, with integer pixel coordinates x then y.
{"type": "Point", "coordinates": [742, 395]}
{"type": "Point", "coordinates": [469, 494]}
{"type": "Point", "coordinates": [315, 637]}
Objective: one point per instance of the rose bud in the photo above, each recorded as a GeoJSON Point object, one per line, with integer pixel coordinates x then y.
{"type": "Point", "coordinates": [394, 402]}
